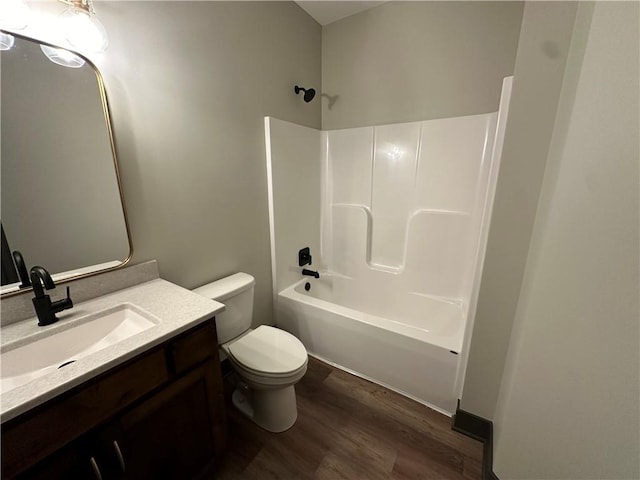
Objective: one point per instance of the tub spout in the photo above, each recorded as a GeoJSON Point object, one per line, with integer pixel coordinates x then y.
{"type": "Point", "coordinates": [311, 273]}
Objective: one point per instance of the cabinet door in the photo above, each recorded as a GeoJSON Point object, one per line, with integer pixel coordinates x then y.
{"type": "Point", "coordinates": [79, 461]}
{"type": "Point", "coordinates": [175, 434]}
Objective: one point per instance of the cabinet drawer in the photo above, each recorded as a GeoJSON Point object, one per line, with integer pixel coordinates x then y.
{"type": "Point", "coordinates": [195, 347]}
{"type": "Point", "coordinates": [40, 433]}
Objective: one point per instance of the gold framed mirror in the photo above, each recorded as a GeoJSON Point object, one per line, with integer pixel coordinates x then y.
{"type": "Point", "coordinates": [62, 205]}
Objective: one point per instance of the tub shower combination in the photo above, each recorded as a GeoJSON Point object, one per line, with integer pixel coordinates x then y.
{"type": "Point", "coordinates": [403, 213]}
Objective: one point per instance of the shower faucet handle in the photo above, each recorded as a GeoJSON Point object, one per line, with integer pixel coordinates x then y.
{"type": "Point", "coordinates": [304, 257]}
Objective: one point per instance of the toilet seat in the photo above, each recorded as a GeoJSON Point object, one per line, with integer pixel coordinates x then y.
{"type": "Point", "coordinates": [269, 352]}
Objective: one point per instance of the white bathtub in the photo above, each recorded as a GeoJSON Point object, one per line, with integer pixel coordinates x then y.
{"type": "Point", "coordinates": [415, 354]}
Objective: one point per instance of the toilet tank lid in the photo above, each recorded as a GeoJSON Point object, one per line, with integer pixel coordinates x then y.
{"type": "Point", "coordinates": [226, 287]}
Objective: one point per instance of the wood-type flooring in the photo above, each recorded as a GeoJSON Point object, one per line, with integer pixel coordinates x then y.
{"type": "Point", "coordinates": [349, 428]}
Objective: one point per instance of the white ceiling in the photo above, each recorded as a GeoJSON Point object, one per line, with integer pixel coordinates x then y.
{"type": "Point", "coordinates": [328, 11]}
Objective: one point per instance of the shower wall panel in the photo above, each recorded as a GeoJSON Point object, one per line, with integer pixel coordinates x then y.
{"type": "Point", "coordinates": [403, 205]}
{"type": "Point", "coordinates": [395, 156]}
{"type": "Point", "coordinates": [452, 154]}
{"type": "Point", "coordinates": [294, 171]}
{"type": "Point", "coordinates": [351, 151]}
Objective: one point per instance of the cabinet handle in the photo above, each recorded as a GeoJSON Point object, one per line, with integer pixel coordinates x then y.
{"type": "Point", "coordinates": [119, 454]}
{"type": "Point", "coordinates": [96, 469]}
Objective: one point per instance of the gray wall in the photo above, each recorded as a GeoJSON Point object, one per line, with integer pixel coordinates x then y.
{"type": "Point", "coordinates": [409, 61]}
{"type": "Point", "coordinates": [189, 84]}
{"type": "Point", "coordinates": [540, 65]}
{"type": "Point", "coordinates": [568, 406]}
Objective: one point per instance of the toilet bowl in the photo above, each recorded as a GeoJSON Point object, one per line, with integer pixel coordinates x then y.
{"type": "Point", "coordinates": [268, 361]}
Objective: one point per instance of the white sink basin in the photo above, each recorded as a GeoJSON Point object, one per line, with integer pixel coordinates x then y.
{"type": "Point", "coordinates": [22, 363]}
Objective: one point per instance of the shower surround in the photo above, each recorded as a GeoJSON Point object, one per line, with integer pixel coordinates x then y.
{"type": "Point", "coordinates": [400, 215]}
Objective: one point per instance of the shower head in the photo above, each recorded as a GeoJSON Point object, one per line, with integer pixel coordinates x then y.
{"type": "Point", "coordinates": [309, 93]}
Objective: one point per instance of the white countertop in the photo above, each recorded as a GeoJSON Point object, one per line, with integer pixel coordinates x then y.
{"type": "Point", "coordinates": [175, 308]}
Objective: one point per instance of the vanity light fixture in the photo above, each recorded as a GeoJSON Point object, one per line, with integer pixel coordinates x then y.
{"type": "Point", "coordinates": [6, 41]}
{"type": "Point", "coordinates": [82, 28]}
{"type": "Point", "coordinates": [62, 57]}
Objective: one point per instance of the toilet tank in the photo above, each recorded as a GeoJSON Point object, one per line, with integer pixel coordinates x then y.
{"type": "Point", "coordinates": [236, 293]}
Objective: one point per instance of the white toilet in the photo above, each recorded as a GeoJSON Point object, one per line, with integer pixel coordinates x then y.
{"type": "Point", "coordinates": [268, 360]}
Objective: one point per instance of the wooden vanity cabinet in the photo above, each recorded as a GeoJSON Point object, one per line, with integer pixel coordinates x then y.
{"type": "Point", "coordinates": [159, 416]}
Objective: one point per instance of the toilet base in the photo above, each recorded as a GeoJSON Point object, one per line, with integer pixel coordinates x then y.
{"type": "Point", "coordinates": [241, 400]}
{"type": "Point", "coordinates": [273, 409]}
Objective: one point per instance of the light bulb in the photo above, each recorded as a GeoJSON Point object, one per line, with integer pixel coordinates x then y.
{"type": "Point", "coordinates": [62, 57]}
{"type": "Point", "coordinates": [14, 14]}
{"type": "Point", "coordinates": [6, 41]}
{"type": "Point", "coordinates": [83, 30]}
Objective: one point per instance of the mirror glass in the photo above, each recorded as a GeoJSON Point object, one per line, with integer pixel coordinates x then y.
{"type": "Point", "coordinates": [61, 204]}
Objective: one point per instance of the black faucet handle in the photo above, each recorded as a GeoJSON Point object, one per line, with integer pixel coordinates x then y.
{"type": "Point", "coordinates": [68, 298]}
{"type": "Point", "coordinates": [304, 257]}
{"type": "Point", "coordinates": [63, 304]}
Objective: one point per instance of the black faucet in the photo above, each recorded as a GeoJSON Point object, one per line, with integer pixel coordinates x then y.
{"type": "Point", "coordinates": [22, 269]}
{"type": "Point", "coordinates": [311, 273]}
{"type": "Point", "coordinates": [46, 309]}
